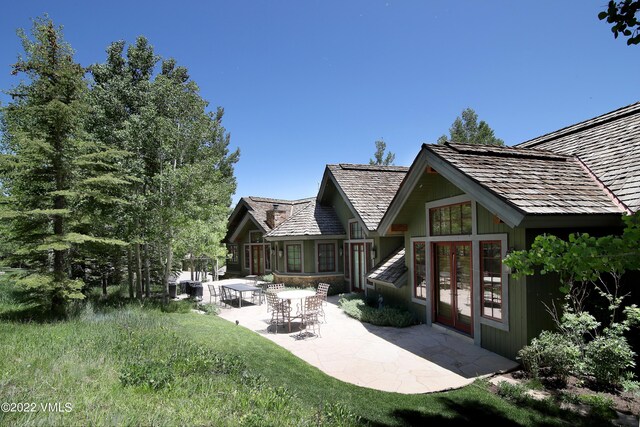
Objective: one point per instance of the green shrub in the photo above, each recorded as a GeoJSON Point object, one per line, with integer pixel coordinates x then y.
{"type": "Point", "coordinates": [607, 359]}
{"type": "Point", "coordinates": [550, 356]}
{"type": "Point", "coordinates": [180, 306]}
{"type": "Point", "coordinates": [210, 309]}
{"type": "Point", "coordinates": [512, 392]}
{"type": "Point", "coordinates": [356, 307]}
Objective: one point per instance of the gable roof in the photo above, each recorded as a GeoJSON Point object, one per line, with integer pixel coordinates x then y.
{"type": "Point", "coordinates": [390, 271]}
{"type": "Point", "coordinates": [366, 189]}
{"type": "Point", "coordinates": [609, 145]}
{"type": "Point", "coordinates": [311, 220]}
{"type": "Point", "coordinates": [255, 209]}
{"type": "Point", "coordinates": [532, 181]}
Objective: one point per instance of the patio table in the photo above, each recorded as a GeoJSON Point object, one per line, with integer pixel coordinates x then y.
{"type": "Point", "coordinates": [240, 288]}
{"type": "Point", "coordinates": [300, 294]}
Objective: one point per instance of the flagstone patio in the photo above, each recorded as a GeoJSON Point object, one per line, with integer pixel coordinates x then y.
{"type": "Point", "coordinates": [418, 359]}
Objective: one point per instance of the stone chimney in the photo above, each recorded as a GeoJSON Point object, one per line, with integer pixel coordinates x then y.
{"type": "Point", "coordinates": [276, 216]}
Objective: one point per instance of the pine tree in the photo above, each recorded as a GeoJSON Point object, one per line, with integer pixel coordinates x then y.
{"type": "Point", "coordinates": [467, 130]}
{"type": "Point", "coordinates": [51, 170]}
{"type": "Point", "coordinates": [379, 155]}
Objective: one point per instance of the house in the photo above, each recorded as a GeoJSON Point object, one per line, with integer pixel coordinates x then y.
{"type": "Point", "coordinates": [253, 217]}
{"type": "Point", "coordinates": [461, 208]}
{"type": "Point", "coordinates": [332, 238]}
{"type": "Point", "coordinates": [432, 237]}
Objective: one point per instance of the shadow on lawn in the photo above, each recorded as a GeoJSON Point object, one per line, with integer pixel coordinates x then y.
{"type": "Point", "coordinates": [472, 412]}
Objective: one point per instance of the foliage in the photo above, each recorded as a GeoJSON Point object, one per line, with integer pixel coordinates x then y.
{"type": "Point", "coordinates": [54, 175]}
{"type": "Point", "coordinates": [607, 359]}
{"type": "Point", "coordinates": [623, 17]}
{"type": "Point", "coordinates": [550, 356]}
{"type": "Point", "coordinates": [466, 129]}
{"type": "Point", "coordinates": [356, 307]}
{"type": "Point", "coordinates": [379, 158]}
{"type": "Point", "coordinates": [585, 264]}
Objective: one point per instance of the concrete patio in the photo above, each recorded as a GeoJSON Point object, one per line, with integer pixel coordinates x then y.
{"type": "Point", "coordinates": [418, 359]}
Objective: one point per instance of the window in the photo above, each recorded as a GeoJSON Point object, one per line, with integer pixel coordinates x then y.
{"type": "Point", "coordinates": [449, 220]}
{"type": "Point", "coordinates": [355, 231]}
{"type": "Point", "coordinates": [347, 267]}
{"type": "Point", "coordinates": [232, 254]}
{"type": "Point", "coordinates": [326, 257]}
{"type": "Point", "coordinates": [419, 270]}
{"type": "Point", "coordinates": [491, 271]}
{"type": "Point", "coordinates": [267, 257]}
{"type": "Point", "coordinates": [247, 256]}
{"type": "Point", "coordinates": [255, 237]}
{"type": "Point", "coordinates": [294, 258]}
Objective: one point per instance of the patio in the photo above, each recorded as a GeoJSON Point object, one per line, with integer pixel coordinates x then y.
{"type": "Point", "coordinates": [417, 359]}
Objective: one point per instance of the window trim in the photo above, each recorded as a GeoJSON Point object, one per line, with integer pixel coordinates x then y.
{"type": "Point", "coordinates": [362, 228]}
{"type": "Point", "coordinates": [335, 255]}
{"type": "Point", "coordinates": [412, 271]}
{"type": "Point", "coordinates": [286, 256]}
{"type": "Point", "coordinates": [475, 240]}
{"type": "Point", "coordinates": [260, 238]}
{"type": "Point", "coordinates": [246, 262]}
{"type": "Point", "coordinates": [504, 279]}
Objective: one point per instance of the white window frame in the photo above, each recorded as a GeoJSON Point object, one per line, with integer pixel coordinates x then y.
{"type": "Point", "coordinates": [335, 255]}
{"type": "Point", "coordinates": [246, 260]}
{"type": "Point", "coordinates": [475, 240]}
{"type": "Point", "coordinates": [412, 272]}
{"type": "Point", "coordinates": [229, 251]}
{"type": "Point", "coordinates": [286, 263]}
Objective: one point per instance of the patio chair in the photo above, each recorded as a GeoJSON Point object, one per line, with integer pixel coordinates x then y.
{"type": "Point", "coordinates": [321, 293]}
{"type": "Point", "coordinates": [275, 287]}
{"type": "Point", "coordinates": [214, 293]}
{"type": "Point", "coordinates": [280, 310]}
{"type": "Point", "coordinates": [311, 314]}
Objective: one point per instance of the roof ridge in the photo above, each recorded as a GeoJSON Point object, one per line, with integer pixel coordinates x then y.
{"type": "Point", "coordinates": [378, 168]}
{"type": "Point", "coordinates": [616, 201]}
{"type": "Point", "coordinates": [616, 114]}
{"type": "Point", "coordinates": [504, 151]}
{"type": "Point", "coordinates": [283, 201]}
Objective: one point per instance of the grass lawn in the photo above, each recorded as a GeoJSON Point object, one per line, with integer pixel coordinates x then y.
{"type": "Point", "coordinates": [140, 366]}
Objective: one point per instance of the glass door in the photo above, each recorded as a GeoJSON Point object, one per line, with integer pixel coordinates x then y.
{"type": "Point", "coordinates": [358, 266]}
{"type": "Point", "coordinates": [257, 260]}
{"type": "Point", "coordinates": [453, 290]}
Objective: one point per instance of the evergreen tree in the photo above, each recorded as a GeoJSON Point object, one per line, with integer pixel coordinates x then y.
{"type": "Point", "coordinates": [467, 130]}
{"type": "Point", "coordinates": [51, 170]}
{"type": "Point", "coordinates": [379, 157]}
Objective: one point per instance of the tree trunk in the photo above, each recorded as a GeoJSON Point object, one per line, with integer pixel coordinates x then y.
{"type": "Point", "coordinates": [139, 271]}
{"type": "Point", "coordinates": [147, 271]}
{"type": "Point", "coordinates": [191, 265]}
{"type": "Point", "coordinates": [167, 272]}
{"type": "Point", "coordinates": [130, 272]}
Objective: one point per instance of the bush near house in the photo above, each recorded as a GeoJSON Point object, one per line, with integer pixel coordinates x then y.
{"type": "Point", "coordinates": [593, 323]}
{"type": "Point", "coordinates": [364, 310]}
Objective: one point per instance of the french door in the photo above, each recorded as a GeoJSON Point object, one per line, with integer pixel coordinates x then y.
{"type": "Point", "coordinates": [358, 266]}
{"type": "Point", "coordinates": [257, 260]}
{"type": "Point", "coordinates": [452, 302]}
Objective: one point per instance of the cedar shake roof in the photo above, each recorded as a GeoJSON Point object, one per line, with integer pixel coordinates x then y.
{"type": "Point", "coordinates": [391, 270]}
{"type": "Point", "coordinates": [258, 207]}
{"type": "Point", "coordinates": [368, 188]}
{"type": "Point", "coordinates": [312, 220]}
{"type": "Point", "coordinates": [609, 145]}
{"type": "Point", "coordinates": [533, 181]}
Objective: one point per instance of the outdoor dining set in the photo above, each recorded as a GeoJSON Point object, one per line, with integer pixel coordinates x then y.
{"type": "Point", "coordinates": [285, 305]}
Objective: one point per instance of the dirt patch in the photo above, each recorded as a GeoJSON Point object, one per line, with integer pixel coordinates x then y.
{"type": "Point", "coordinates": [627, 403]}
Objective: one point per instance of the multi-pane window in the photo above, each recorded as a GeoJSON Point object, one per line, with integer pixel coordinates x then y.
{"type": "Point", "coordinates": [355, 231]}
{"type": "Point", "coordinates": [326, 257]}
{"type": "Point", "coordinates": [419, 270]}
{"type": "Point", "coordinates": [232, 254]}
{"type": "Point", "coordinates": [491, 271]}
{"type": "Point", "coordinates": [452, 219]}
{"type": "Point", "coordinates": [294, 258]}
{"type": "Point", "coordinates": [255, 237]}
{"type": "Point", "coordinates": [247, 256]}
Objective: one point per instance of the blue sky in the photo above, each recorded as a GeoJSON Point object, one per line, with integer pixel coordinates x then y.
{"type": "Point", "coordinates": [306, 83]}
